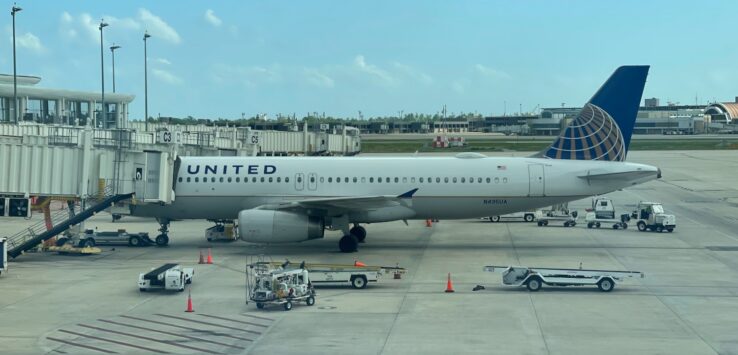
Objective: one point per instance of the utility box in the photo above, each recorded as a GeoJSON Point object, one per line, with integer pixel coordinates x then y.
{"type": "Point", "coordinates": [19, 207]}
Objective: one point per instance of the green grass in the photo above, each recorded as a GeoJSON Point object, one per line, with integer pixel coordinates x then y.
{"type": "Point", "coordinates": [424, 145]}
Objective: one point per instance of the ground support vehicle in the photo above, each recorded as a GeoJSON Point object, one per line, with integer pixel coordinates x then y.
{"type": "Point", "coordinates": [3, 255]}
{"type": "Point", "coordinates": [527, 216]}
{"type": "Point", "coordinates": [568, 219]}
{"type": "Point", "coordinates": [282, 287]}
{"type": "Point", "coordinates": [357, 275]}
{"type": "Point", "coordinates": [603, 212]}
{"type": "Point", "coordinates": [166, 277]}
{"type": "Point", "coordinates": [222, 231]}
{"type": "Point", "coordinates": [535, 277]}
{"type": "Point", "coordinates": [120, 237]}
{"type": "Point", "coordinates": [651, 216]}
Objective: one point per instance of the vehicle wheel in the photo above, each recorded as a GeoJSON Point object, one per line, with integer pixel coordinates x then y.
{"type": "Point", "coordinates": [288, 306]}
{"type": "Point", "coordinates": [624, 225]}
{"type": "Point", "coordinates": [566, 224]}
{"type": "Point", "coordinates": [359, 232]}
{"type": "Point", "coordinates": [533, 284]}
{"type": "Point", "coordinates": [606, 285]}
{"type": "Point", "coordinates": [134, 241]}
{"type": "Point", "coordinates": [359, 281]}
{"type": "Point", "coordinates": [529, 218]}
{"type": "Point", "coordinates": [181, 290]}
{"type": "Point", "coordinates": [162, 240]}
{"type": "Point", "coordinates": [540, 224]}
{"type": "Point", "coordinates": [641, 226]}
{"type": "Point", "coordinates": [259, 305]}
{"type": "Point", "coordinates": [494, 219]}
{"type": "Point", "coordinates": [88, 243]}
{"type": "Point", "coordinates": [669, 230]}
{"type": "Point", "coordinates": [615, 226]}
{"type": "Point", "coordinates": [310, 301]}
{"type": "Point", "coordinates": [61, 241]}
{"type": "Point", "coordinates": [142, 289]}
{"type": "Point", "coordinates": [590, 225]}
{"type": "Point", "coordinates": [348, 244]}
{"type": "Point", "coordinates": [572, 224]}
{"type": "Point", "coordinates": [598, 225]}
{"type": "Point", "coordinates": [659, 229]}
{"type": "Point", "coordinates": [545, 223]}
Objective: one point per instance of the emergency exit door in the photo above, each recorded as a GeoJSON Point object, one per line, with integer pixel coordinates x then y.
{"type": "Point", "coordinates": [536, 180]}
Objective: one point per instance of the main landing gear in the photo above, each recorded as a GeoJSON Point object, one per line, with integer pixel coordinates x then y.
{"type": "Point", "coordinates": [349, 243]}
{"type": "Point", "coordinates": [163, 238]}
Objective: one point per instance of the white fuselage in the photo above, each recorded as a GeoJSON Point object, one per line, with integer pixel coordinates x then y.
{"type": "Point", "coordinates": [448, 187]}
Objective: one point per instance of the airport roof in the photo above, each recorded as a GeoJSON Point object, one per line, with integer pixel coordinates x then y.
{"type": "Point", "coordinates": [728, 108]}
{"type": "Point", "coordinates": [26, 87]}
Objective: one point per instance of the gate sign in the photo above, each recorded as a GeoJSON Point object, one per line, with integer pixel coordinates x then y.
{"type": "Point", "coordinates": [139, 174]}
{"type": "Point", "coordinates": [167, 137]}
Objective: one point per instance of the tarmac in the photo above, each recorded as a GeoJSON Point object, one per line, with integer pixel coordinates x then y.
{"type": "Point", "coordinates": [687, 303]}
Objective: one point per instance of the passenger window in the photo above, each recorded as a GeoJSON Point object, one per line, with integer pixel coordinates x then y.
{"type": "Point", "coordinates": [454, 180]}
{"type": "Point", "coordinates": [180, 179]}
{"type": "Point", "coordinates": [379, 179]}
{"type": "Point", "coordinates": [299, 179]}
{"type": "Point", "coordinates": [270, 179]}
{"type": "Point", "coordinates": [188, 179]}
{"type": "Point", "coordinates": [330, 179]}
{"type": "Point", "coordinates": [363, 179]}
{"type": "Point", "coordinates": [504, 180]}
{"type": "Point", "coordinates": [279, 179]}
{"type": "Point", "coordinates": [445, 180]}
{"type": "Point", "coordinates": [238, 179]}
{"type": "Point", "coordinates": [463, 180]}
{"type": "Point", "coordinates": [388, 180]}
{"type": "Point", "coordinates": [438, 180]}
{"type": "Point", "coordinates": [404, 180]}
{"type": "Point", "coordinates": [321, 179]}
{"type": "Point", "coordinates": [497, 180]}
{"type": "Point", "coordinates": [397, 180]}
{"type": "Point", "coordinates": [354, 179]}
{"type": "Point", "coordinates": [421, 179]}
{"type": "Point", "coordinates": [412, 180]}
{"type": "Point", "coordinates": [262, 179]}
{"type": "Point", "coordinates": [312, 179]}
{"type": "Point", "coordinates": [221, 179]}
{"type": "Point", "coordinates": [253, 179]}
{"type": "Point", "coordinates": [479, 180]}
{"type": "Point", "coordinates": [345, 180]}
{"type": "Point", "coordinates": [286, 179]}
{"type": "Point", "coordinates": [488, 180]}
{"type": "Point", "coordinates": [371, 179]}
{"type": "Point", "coordinates": [197, 179]}
{"type": "Point", "coordinates": [212, 179]}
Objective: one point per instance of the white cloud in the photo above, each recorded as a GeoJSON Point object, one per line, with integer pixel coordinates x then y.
{"type": "Point", "coordinates": [212, 19]}
{"type": "Point", "coordinates": [166, 76]}
{"type": "Point", "coordinates": [493, 73]}
{"type": "Point", "coordinates": [66, 17]}
{"type": "Point", "coordinates": [157, 27]}
{"type": "Point", "coordinates": [373, 71]}
{"type": "Point", "coordinates": [457, 87]}
{"type": "Point", "coordinates": [413, 73]}
{"type": "Point", "coordinates": [29, 41]}
{"type": "Point", "coordinates": [163, 61]}
{"type": "Point", "coordinates": [315, 77]}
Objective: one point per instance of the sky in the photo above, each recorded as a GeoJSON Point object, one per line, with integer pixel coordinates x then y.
{"type": "Point", "coordinates": [222, 59]}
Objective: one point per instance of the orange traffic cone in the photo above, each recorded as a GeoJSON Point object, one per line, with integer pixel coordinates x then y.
{"type": "Point", "coordinates": [189, 303]}
{"type": "Point", "coordinates": [359, 263]}
{"type": "Point", "coordinates": [428, 223]}
{"type": "Point", "coordinates": [210, 257]}
{"type": "Point", "coordinates": [449, 285]}
{"type": "Point", "coordinates": [202, 259]}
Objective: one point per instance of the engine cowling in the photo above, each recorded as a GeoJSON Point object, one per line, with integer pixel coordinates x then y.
{"type": "Point", "coordinates": [267, 226]}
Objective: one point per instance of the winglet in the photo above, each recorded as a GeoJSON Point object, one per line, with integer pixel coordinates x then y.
{"type": "Point", "coordinates": [408, 194]}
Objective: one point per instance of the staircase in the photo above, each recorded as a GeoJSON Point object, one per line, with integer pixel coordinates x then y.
{"type": "Point", "coordinates": [60, 222]}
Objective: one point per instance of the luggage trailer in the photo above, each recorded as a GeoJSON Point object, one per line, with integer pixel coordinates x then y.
{"type": "Point", "coordinates": [358, 276]}
{"type": "Point", "coordinates": [535, 277]}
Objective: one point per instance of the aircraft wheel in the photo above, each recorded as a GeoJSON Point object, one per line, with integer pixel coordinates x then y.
{"type": "Point", "coordinates": [162, 240]}
{"type": "Point", "coordinates": [359, 232]}
{"type": "Point", "coordinates": [348, 244]}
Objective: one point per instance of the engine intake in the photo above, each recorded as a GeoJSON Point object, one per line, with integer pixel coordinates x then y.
{"type": "Point", "coordinates": [267, 226]}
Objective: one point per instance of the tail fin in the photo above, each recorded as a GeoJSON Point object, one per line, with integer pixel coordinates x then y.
{"type": "Point", "coordinates": [602, 129]}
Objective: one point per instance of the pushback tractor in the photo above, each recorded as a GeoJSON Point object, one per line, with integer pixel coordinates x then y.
{"type": "Point", "coordinates": [535, 277]}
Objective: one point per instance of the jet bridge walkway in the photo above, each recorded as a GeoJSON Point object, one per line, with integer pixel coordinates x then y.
{"type": "Point", "coordinates": [32, 236]}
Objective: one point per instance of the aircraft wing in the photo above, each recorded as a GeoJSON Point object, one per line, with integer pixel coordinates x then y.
{"type": "Point", "coordinates": [353, 203]}
{"type": "Point", "coordinates": [617, 175]}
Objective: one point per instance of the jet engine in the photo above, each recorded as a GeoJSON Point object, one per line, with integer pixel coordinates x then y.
{"type": "Point", "coordinates": [268, 226]}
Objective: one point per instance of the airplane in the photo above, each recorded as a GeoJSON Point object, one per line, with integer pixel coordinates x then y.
{"type": "Point", "coordinates": [295, 199]}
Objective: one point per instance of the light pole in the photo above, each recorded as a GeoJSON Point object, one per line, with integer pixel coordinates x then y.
{"type": "Point", "coordinates": [15, 79]}
{"type": "Point", "coordinates": [102, 73]}
{"type": "Point", "coordinates": [146, 85]}
{"type": "Point", "coordinates": [112, 51]}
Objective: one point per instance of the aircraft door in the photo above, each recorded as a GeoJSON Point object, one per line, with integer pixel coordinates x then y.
{"type": "Point", "coordinates": [312, 181]}
{"type": "Point", "coordinates": [299, 181]}
{"type": "Point", "coordinates": [536, 180]}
